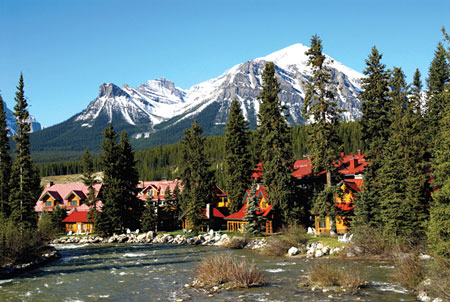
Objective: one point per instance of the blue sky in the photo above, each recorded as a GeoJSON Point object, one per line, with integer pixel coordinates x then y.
{"type": "Point", "coordinates": [67, 48]}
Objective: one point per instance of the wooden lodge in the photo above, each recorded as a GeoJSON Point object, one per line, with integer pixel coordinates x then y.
{"type": "Point", "coordinates": [236, 221]}
{"type": "Point", "coordinates": [77, 223]}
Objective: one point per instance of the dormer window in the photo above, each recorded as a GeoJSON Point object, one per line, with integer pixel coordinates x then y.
{"type": "Point", "coordinates": [73, 203]}
{"type": "Point", "coordinates": [49, 203]}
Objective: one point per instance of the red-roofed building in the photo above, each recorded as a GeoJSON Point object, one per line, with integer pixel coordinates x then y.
{"type": "Point", "coordinates": [159, 190]}
{"type": "Point", "coordinates": [77, 222]}
{"type": "Point", "coordinates": [236, 221]}
{"type": "Point", "coordinates": [349, 187]}
{"type": "Point", "coordinates": [72, 196]}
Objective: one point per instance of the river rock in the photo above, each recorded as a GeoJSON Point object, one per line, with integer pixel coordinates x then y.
{"type": "Point", "coordinates": [293, 251]}
{"type": "Point", "coordinates": [423, 296]}
{"type": "Point", "coordinates": [318, 253]}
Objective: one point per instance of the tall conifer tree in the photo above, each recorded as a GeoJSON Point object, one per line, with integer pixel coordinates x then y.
{"type": "Point", "coordinates": [276, 149]}
{"type": "Point", "coordinates": [401, 175]}
{"type": "Point", "coordinates": [320, 104]}
{"type": "Point", "coordinates": [237, 158]}
{"type": "Point", "coordinates": [197, 179]}
{"type": "Point", "coordinates": [88, 179]}
{"type": "Point", "coordinates": [375, 123]}
{"type": "Point", "coordinates": [438, 78]}
{"type": "Point", "coordinates": [5, 162]}
{"type": "Point", "coordinates": [25, 181]}
{"type": "Point", "coordinates": [110, 219]}
{"type": "Point", "coordinates": [132, 206]}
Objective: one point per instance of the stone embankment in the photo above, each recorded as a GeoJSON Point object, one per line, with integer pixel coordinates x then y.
{"type": "Point", "coordinates": [12, 270]}
{"type": "Point", "coordinates": [311, 250]}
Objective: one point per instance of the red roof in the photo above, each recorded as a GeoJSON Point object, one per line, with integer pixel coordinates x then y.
{"type": "Point", "coordinates": [216, 213]}
{"type": "Point", "coordinates": [58, 190]}
{"type": "Point", "coordinates": [240, 215]}
{"type": "Point", "coordinates": [77, 216]}
{"type": "Point", "coordinates": [347, 165]}
{"type": "Point", "coordinates": [159, 186]}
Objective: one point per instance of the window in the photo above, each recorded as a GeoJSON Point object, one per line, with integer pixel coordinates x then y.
{"type": "Point", "coordinates": [48, 203]}
{"type": "Point", "coordinates": [322, 223]}
{"type": "Point", "coordinates": [73, 203]}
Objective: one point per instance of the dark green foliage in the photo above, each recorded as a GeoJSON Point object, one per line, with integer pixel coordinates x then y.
{"type": "Point", "coordinates": [5, 162]}
{"type": "Point", "coordinates": [198, 180]}
{"type": "Point", "coordinates": [132, 206]}
{"type": "Point", "coordinates": [237, 159]}
{"type": "Point", "coordinates": [321, 106]}
{"type": "Point", "coordinates": [324, 204]}
{"type": "Point", "coordinates": [375, 127]}
{"type": "Point", "coordinates": [88, 177]}
{"type": "Point", "coordinates": [276, 148]}
{"type": "Point", "coordinates": [253, 220]}
{"type": "Point", "coordinates": [438, 78]}
{"type": "Point", "coordinates": [57, 216]}
{"type": "Point", "coordinates": [24, 182]}
{"type": "Point", "coordinates": [439, 225]}
{"type": "Point", "coordinates": [110, 218]}
{"type": "Point", "coordinates": [148, 216]}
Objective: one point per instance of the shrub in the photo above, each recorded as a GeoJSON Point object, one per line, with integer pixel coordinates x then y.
{"type": "Point", "coordinates": [226, 270]}
{"type": "Point", "coordinates": [19, 246]}
{"type": "Point", "coordinates": [370, 241]}
{"type": "Point", "coordinates": [324, 274]}
{"type": "Point", "coordinates": [46, 227]}
{"type": "Point", "coordinates": [440, 279]}
{"type": "Point", "coordinates": [235, 243]}
{"type": "Point", "coordinates": [279, 245]}
{"type": "Point", "coordinates": [410, 271]}
{"type": "Point", "coordinates": [276, 246]}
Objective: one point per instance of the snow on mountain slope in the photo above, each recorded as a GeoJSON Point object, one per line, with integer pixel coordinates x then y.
{"type": "Point", "coordinates": [158, 101]}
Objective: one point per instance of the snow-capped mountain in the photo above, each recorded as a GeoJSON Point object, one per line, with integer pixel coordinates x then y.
{"type": "Point", "coordinates": [160, 111]}
{"type": "Point", "coordinates": [11, 121]}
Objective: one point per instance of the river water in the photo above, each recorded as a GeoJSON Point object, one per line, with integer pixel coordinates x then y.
{"type": "Point", "coordinates": [159, 272]}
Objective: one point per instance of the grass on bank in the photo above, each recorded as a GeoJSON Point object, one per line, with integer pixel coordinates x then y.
{"type": "Point", "coordinates": [226, 271]}
{"type": "Point", "coordinates": [340, 277]}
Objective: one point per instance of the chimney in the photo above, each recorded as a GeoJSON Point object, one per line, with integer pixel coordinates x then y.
{"type": "Point", "coordinates": [342, 154]}
{"type": "Point", "coordinates": [353, 163]}
{"type": "Point", "coordinates": [51, 183]}
{"type": "Point", "coordinates": [359, 152]}
{"type": "Point", "coordinates": [208, 211]}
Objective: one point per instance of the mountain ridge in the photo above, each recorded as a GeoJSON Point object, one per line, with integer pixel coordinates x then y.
{"type": "Point", "coordinates": [157, 111]}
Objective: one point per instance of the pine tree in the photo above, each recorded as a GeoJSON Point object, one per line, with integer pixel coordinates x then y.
{"type": "Point", "coordinates": [197, 180]}
{"type": "Point", "coordinates": [438, 78]}
{"type": "Point", "coordinates": [439, 224]}
{"type": "Point", "coordinates": [237, 157]}
{"type": "Point", "coordinates": [148, 216]}
{"type": "Point", "coordinates": [110, 218]}
{"type": "Point", "coordinates": [5, 162]}
{"type": "Point", "coordinates": [89, 180]}
{"type": "Point", "coordinates": [251, 216]}
{"type": "Point", "coordinates": [276, 149]}
{"type": "Point", "coordinates": [132, 206]}
{"type": "Point", "coordinates": [375, 123]}
{"type": "Point", "coordinates": [401, 175]}
{"type": "Point", "coordinates": [57, 216]}
{"type": "Point", "coordinates": [24, 182]}
{"type": "Point", "coordinates": [320, 104]}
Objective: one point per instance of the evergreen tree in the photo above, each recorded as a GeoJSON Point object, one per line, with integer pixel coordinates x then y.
{"type": "Point", "coordinates": [439, 224]}
{"type": "Point", "coordinates": [5, 162]}
{"type": "Point", "coordinates": [401, 176]}
{"type": "Point", "coordinates": [197, 180]}
{"type": "Point", "coordinates": [251, 217]}
{"type": "Point", "coordinates": [57, 216]}
{"type": "Point", "coordinates": [375, 123]}
{"type": "Point", "coordinates": [148, 216]}
{"type": "Point", "coordinates": [320, 104]}
{"type": "Point", "coordinates": [177, 199]}
{"type": "Point", "coordinates": [132, 206]}
{"type": "Point", "coordinates": [276, 149]}
{"type": "Point", "coordinates": [110, 218]}
{"type": "Point", "coordinates": [438, 78]}
{"type": "Point", "coordinates": [237, 157]}
{"type": "Point", "coordinates": [24, 183]}
{"type": "Point", "coordinates": [89, 180]}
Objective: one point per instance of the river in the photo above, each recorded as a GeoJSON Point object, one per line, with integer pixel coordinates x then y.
{"type": "Point", "coordinates": [159, 272]}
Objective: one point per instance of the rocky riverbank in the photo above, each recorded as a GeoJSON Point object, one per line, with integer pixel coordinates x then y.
{"type": "Point", "coordinates": [13, 270]}
{"type": "Point", "coordinates": [310, 250]}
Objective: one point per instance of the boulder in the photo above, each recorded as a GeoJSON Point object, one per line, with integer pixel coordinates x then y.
{"type": "Point", "coordinates": [293, 251]}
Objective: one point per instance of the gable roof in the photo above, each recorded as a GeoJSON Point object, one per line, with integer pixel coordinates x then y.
{"type": "Point", "coordinates": [59, 190]}
{"type": "Point", "coordinates": [77, 193]}
{"type": "Point", "coordinates": [240, 215]}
